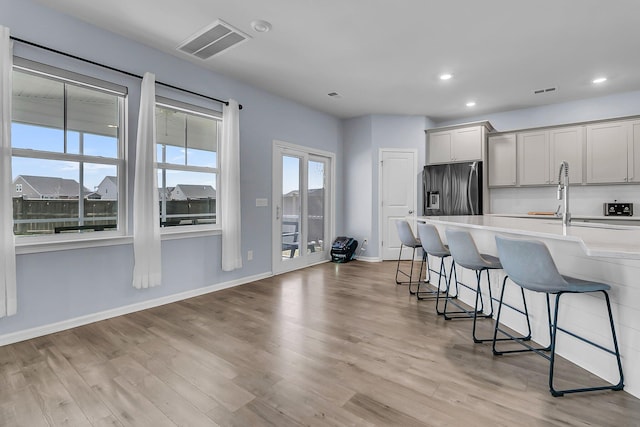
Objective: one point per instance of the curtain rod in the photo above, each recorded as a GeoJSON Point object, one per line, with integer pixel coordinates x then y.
{"type": "Point", "coordinates": [108, 67]}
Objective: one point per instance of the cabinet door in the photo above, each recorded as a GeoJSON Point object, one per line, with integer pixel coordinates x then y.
{"type": "Point", "coordinates": [567, 144]}
{"type": "Point", "coordinates": [607, 147]}
{"type": "Point", "coordinates": [634, 154]}
{"type": "Point", "coordinates": [439, 147]}
{"type": "Point", "coordinates": [502, 160]}
{"type": "Point", "coordinates": [466, 144]}
{"type": "Point", "coordinates": [533, 158]}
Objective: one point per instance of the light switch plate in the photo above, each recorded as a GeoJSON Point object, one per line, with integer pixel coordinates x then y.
{"type": "Point", "coordinates": [262, 202]}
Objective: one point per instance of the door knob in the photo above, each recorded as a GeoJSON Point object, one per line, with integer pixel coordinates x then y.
{"type": "Point", "coordinates": [410, 212]}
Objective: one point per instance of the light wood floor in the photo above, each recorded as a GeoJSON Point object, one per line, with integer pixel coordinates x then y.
{"type": "Point", "coordinates": [329, 345]}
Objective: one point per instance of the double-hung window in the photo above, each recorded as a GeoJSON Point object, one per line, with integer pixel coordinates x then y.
{"type": "Point", "coordinates": [187, 156]}
{"type": "Point", "coordinates": [67, 137]}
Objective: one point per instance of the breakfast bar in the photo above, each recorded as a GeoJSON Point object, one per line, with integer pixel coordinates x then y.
{"type": "Point", "coordinates": [591, 251]}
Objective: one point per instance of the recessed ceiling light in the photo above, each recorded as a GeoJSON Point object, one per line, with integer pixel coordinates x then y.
{"type": "Point", "coordinates": [261, 26]}
{"type": "Point", "coordinates": [471, 104]}
{"type": "Point", "coordinates": [445, 76]}
{"type": "Point", "coordinates": [600, 80]}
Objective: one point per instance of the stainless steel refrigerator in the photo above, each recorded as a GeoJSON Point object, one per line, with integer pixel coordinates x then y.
{"type": "Point", "coordinates": [452, 189]}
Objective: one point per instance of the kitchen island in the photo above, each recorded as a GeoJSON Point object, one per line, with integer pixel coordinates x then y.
{"type": "Point", "coordinates": [599, 252]}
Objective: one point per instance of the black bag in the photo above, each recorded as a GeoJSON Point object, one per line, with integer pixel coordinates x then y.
{"type": "Point", "coordinates": [343, 249]}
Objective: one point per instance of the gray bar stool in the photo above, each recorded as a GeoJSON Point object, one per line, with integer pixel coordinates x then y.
{"type": "Point", "coordinates": [465, 254]}
{"type": "Point", "coordinates": [408, 239]}
{"type": "Point", "coordinates": [529, 264]}
{"type": "Point", "coordinates": [432, 246]}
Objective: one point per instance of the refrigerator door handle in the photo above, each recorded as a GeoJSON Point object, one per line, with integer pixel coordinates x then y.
{"type": "Point", "coordinates": [471, 173]}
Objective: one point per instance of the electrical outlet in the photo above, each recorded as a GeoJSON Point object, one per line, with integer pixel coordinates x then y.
{"type": "Point", "coordinates": [249, 255]}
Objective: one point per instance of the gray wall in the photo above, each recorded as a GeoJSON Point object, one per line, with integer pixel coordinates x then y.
{"type": "Point", "coordinates": [61, 285]}
{"type": "Point", "coordinates": [363, 138]}
{"type": "Point", "coordinates": [598, 108]}
{"type": "Point", "coordinates": [358, 158]}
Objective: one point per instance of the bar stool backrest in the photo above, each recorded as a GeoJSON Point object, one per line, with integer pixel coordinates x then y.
{"type": "Point", "coordinates": [464, 250]}
{"type": "Point", "coordinates": [406, 235]}
{"type": "Point", "coordinates": [529, 264]}
{"type": "Point", "coordinates": [430, 239]}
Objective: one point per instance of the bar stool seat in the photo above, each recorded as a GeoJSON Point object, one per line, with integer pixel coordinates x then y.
{"type": "Point", "coordinates": [432, 246]}
{"type": "Point", "coordinates": [408, 239]}
{"type": "Point", "coordinates": [528, 263]}
{"type": "Point", "coordinates": [465, 254]}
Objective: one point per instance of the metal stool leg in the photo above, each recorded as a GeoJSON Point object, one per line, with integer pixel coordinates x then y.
{"type": "Point", "coordinates": [480, 312]}
{"type": "Point", "coordinates": [520, 339]}
{"type": "Point", "coordinates": [431, 294]}
{"type": "Point", "coordinates": [462, 313]}
{"type": "Point", "coordinates": [398, 265]}
{"type": "Point", "coordinates": [615, 352]}
{"type": "Point", "coordinates": [422, 262]}
{"type": "Point", "coordinates": [447, 286]}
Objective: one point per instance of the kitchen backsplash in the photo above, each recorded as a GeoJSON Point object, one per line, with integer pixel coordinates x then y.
{"type": "Point", "coordinates": [583, 200]}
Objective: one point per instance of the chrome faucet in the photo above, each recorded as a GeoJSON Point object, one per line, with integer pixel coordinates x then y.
{"type": "Point", "coordinates": [563, 192]}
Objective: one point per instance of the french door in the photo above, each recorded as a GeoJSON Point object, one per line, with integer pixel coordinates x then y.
{"type": "Point", "coordinates": [302, 206]}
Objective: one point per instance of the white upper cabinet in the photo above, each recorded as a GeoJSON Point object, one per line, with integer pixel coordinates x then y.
{"type": "Point", "coordinates": [456, 145]}
{"type": "Point", "coordinates": [467, 144]}
{"type": "Point", "coordinates": [533, 158]}
{"type": "Point", "coordinates": [608, 152]}
{"type": "Point", "coordinates": [634, 156]}
{"type": "Point", "coordinates": [502, 160]}
{"type": "Point", "coordinates": [567, 144]}
{"type": "Point", "coordinates": [439, 147]}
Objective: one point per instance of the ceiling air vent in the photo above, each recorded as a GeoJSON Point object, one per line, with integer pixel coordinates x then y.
{"type": "Point", "coordinates": [547, 90]}
{"type": "Point", "coordinates": [213, 40]}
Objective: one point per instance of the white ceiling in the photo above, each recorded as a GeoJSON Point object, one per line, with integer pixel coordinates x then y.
{"type": "Point", "coordinates": [385, 56]}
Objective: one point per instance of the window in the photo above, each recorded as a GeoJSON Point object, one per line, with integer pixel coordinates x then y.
{"type": "Point", "coordinates": [67, 146]}
{"type": "Point", "coordinates": [187, 155]}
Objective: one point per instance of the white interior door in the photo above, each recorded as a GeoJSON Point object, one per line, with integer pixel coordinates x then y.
{"type": "Point", "coordinates": [398, 196]}
{"type": "Point", "coordinates": [302, 207]}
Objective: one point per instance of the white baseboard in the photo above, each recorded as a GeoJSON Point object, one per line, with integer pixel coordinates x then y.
{"type": "Point", "coordinates": [369, 259]}
{"type": "Point", "coordinates": [107, 314]}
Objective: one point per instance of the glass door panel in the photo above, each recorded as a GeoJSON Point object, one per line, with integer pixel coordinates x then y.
{"type": "Point", "coordinates": [316, 205]}
{"type": "Point", "coordinates": [291, 207]}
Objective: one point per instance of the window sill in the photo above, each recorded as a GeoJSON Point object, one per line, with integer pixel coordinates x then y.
{"type": "Point", "coordinates": [31, 245]}
{"type": "Point", "coordinates": [186, 231]}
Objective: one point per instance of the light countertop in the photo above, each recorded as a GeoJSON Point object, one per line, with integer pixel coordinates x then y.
{"type": "Point", "coordinates": [595, 218]}
{"type": "Point", "coordinates": [598, 240]}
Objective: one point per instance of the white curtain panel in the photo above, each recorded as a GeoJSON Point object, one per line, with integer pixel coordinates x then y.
{"type": "Point", "coordinates": [8, 301]}
{"type": "Point", "coordinates": [146, 216]}
{"type": "Point", "coordinates": [230, 188]}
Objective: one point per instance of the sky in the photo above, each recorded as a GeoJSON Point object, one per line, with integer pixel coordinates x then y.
{"type": "Point", "coordinates": [291, 174]}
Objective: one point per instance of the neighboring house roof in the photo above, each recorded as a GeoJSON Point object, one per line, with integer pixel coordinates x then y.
{"type": "Point", "coordinates": [52, 186]}
{"type": "Point", "coordinates": [113, 179]}
{"type": "Point", "coordinates": [312, 192]}
{"type": "Point", "coordinates": [94, 196]}
{"type": "Point", "coordinates": [196, 191]}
